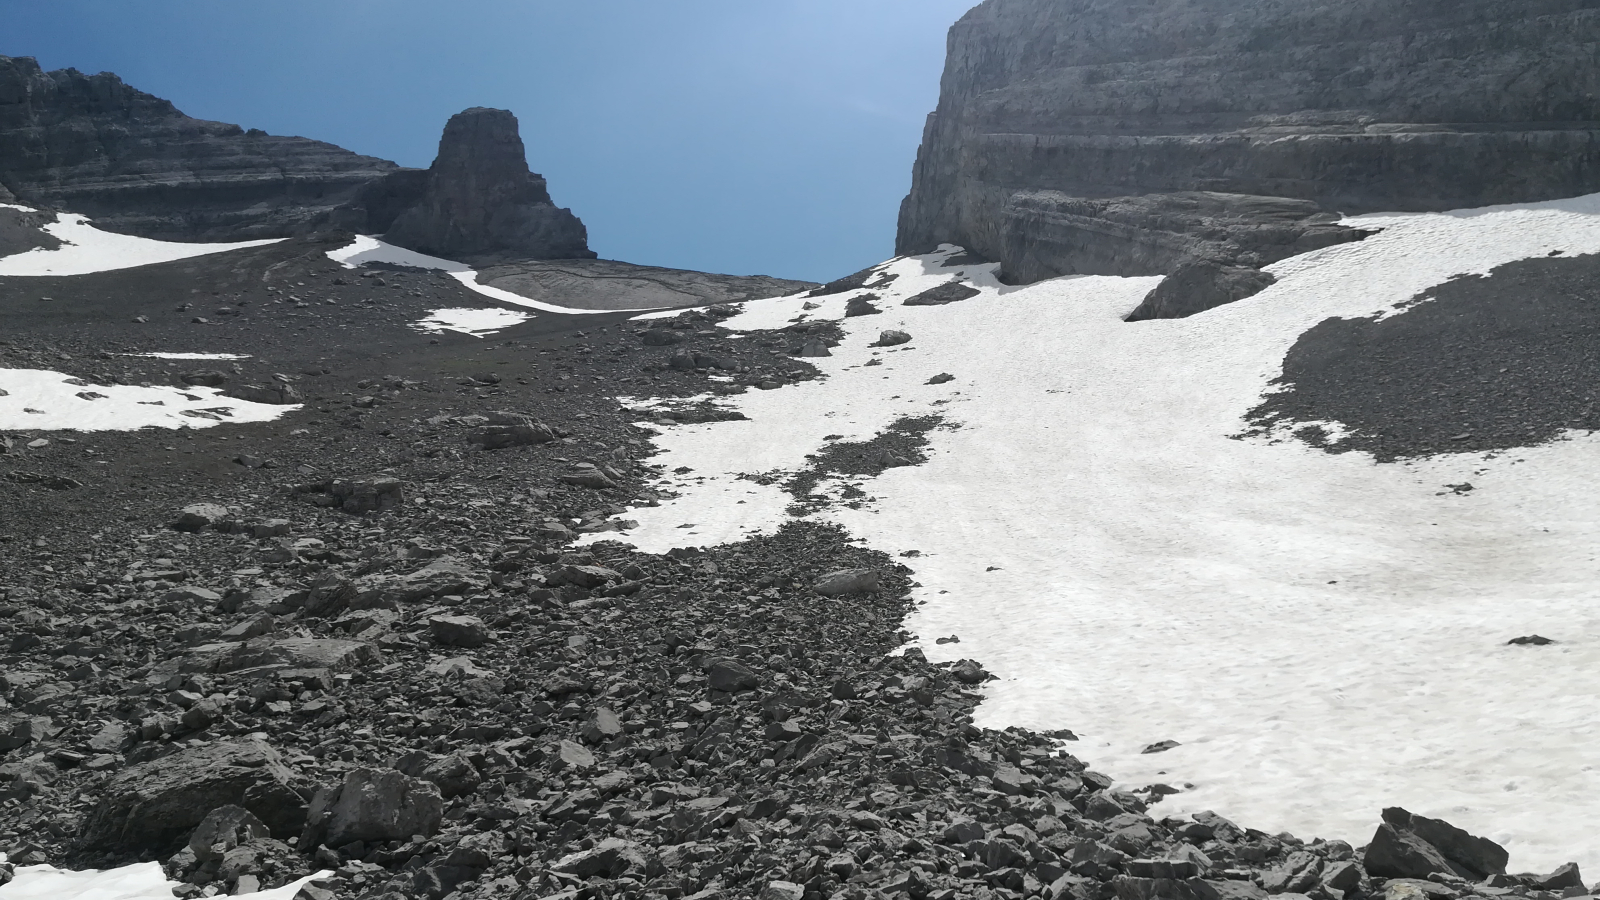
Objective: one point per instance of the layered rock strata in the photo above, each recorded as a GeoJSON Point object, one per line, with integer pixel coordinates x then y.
{"type": "Point", "coordinates": [1353, 107]}
{"type": "Point", "coordinates": [93, 145]}
{"type": "Point", "coordinates": [480, 199]}
{"type": "Point", "coordinates": [134, 163]}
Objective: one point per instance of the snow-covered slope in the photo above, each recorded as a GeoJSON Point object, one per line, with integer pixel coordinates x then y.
{"type": "Point", "coordinates": [1324, 635]}
{"type": "Point", "coordinates": [86, 249]}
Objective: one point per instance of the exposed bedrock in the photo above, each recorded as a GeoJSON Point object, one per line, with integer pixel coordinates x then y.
{"type": "Point", "coordinates": [480, 200]}
{"type": "Point", "coordinates": [607, 284]}
{"type": "Point", "coordinates": [134, 163]}
{"type": "Point", "coordinates": [91, 144]}
{"type": "Point", "coordinates": [1354, 106]}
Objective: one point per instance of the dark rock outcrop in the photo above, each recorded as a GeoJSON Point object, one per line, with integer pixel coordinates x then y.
{"type": "Point", "coordinates": [1412, 846]}
{"type": "Point", "coordinates": [607, 284]}
{"type": "Point", "coordinates": [481, 201]}
{"type": "Point", "coordinates": [1059, 118]}
{"type": "Point", "coordinates": [23, 230]}
{"type": "Point", "coordinates": [152, 805]}
{"type": "Point", "coordinates": [134, 163]}
{"type": "Point", "coordinates": [93, 145]}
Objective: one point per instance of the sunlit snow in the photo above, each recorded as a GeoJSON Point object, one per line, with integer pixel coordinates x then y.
{"type": "Point", "coordinates": [476, 322]}
{"type": "Point", "coordinates": [39, 400]}
{"type": "Point", "coordinates": [191, 355]}
{"type": "Point", "coordinates": [86, 249]}
{"type": "Point", "coordinates": [1325, 636]}
{"type": "Point", "coordinates": [142, 881]}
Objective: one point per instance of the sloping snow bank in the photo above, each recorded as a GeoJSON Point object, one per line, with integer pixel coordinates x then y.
{"type": "Point", "coordinates": [1325, 636]}
{"type": "Point", "coordinates": [142, 881]}
{"type": "Point", "coordinates": [368, 249]}
{"type": "Point", "coordinates": [39, 400]}
{"type": "Point", "coordinates": [86, 249]}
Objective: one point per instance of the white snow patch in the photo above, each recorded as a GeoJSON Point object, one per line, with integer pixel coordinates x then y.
{"type": "Point", "coordinates": [368, 249]}
{"type": "Point", "coordinates": [140, 881]}
{"type": "Point", "coordinates": [667, 313]}
{"type": "Point", "coordinates": [86, 249]}
{"type": "Point", "coordinates": [39, 400]}
{"type": "Point", "coordinates": [189, 355]}
{"type": "Point", "coordinates": [476, 322]}
{"type": "Point", "coordinates": [1324, 635]}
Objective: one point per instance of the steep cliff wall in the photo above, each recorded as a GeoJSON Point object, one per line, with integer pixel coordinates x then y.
{"type": "Point", "coordinates": [1353, 105]}
{"type": "Point", "coordinates": [91, 144]}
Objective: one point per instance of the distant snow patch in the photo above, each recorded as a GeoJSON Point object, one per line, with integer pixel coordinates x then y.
{"type": "Point", "coordinates": [38, 400]}
{"type": "Point", "coordinates": [86, 249]}
{"type": "Point", "coordinates": [190, 355]}
{"type": "Point", "coordinates": [476, 322]}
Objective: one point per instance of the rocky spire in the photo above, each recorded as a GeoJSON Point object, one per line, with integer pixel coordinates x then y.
{"type": "Point", "coordinates": [482, 201]}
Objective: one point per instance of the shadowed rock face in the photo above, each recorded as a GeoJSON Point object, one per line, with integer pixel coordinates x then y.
{"type": "Point", "coordinates": [1353, 106]}
{"type": "Point", "coordinates": [91, 144]}
{"type": "Point", "coordinates": [482, 201]}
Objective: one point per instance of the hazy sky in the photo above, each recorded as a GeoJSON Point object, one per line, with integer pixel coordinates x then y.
{"type": "Point", "coordinates": [742, 136]}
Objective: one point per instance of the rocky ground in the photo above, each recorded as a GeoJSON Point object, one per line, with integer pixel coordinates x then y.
{"type": "Point", "coordinates": [1480, 363]}
{"type": "Point", "coordinates": [362, 638]}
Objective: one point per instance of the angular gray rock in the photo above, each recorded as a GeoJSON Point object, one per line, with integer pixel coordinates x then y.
{"type": "Point", "coordinates": [152, 805]}
{"type": "Point", "coordinates": [1062, 125]}
{"type": "Point", "coordinates": [377, 805]}
{"type": "Point", "coordinates": [481, 201]}
{"type": "Point", "coordinates": [508, 429]}
{"type": "Point", "coordinates": [223, 829]}
{"type": "Point", "coordinates": [1412, 846]}
{"type": "Point", "coordinates": [949, 292]}
{"type": "Point", "coordinates": [459, 631]}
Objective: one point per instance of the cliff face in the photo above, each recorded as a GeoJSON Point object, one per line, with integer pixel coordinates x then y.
{"type": "Point", "coordinates": [1352, 105]}
{"type": "Point", "coordinates": [479, 199]}
{"type": "Point", "coordinates": [91, 144]}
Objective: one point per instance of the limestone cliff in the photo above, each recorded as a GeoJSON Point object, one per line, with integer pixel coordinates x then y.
{"type": "Point", "coordinates": [480, 201]}
{"type": "Point", "coordinates": [91, 144]}
{"type": "Point", "coordinates": [134, 163]}
{"type": "Point", "coordinates": [1349, 105]}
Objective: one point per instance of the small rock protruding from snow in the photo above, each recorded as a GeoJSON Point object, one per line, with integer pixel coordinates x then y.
{"type": "Point", "coordinates": [892, 338]}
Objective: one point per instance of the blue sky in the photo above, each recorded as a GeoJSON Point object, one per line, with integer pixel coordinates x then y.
{"type": "Point", "coordinates": [743, 136]}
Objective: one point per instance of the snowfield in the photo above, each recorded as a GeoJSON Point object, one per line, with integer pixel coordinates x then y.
{"type": "Point", "coordinates": [1324, 635]}
{"type": "Point", "coordinates": [86, 249]}
{"type": "Point", "coordinates": [39, 400]}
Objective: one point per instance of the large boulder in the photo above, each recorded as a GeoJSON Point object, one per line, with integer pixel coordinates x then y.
{"type": "Point", "coordinates": [153, 805]}
{"type": "Point", "coordinates": [1412, 846]}
{"type": "Point", "coordinates": [374, 805]}
{"type": "Point", "coordinates": [481, 201]}
{"type": "Point", "coordinates": [507, 429]}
